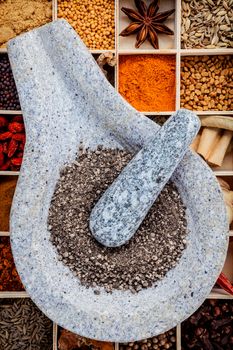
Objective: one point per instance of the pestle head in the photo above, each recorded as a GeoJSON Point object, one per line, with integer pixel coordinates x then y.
{"type": "Point", "coordinates": [123, 206]}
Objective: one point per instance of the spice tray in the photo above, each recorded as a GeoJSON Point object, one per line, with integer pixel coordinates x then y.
{"type": "Point", "coordinates": [169, 45]}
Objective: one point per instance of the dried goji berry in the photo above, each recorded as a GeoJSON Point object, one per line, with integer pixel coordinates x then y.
{"type": "Point", "coordinates": [13, 145]}
{"type": "Point", "coordinates": [1, 148]}
{"type": "Point", "coordinates": [3, 122]}
{"type": "Point", "coordinates": [17, 118]}
{"type": "Point", "coordinates": [6, 165]}
{"type": "Point", "coordinates": [19, 137]}
{"type": "Point", "coordinates": [6, 135]}
{"type": "Point", "coordinates": [1, 159]}
{"type": "Point", "coordinates": [5, 147]}
{"type": "Point", "coordinates": [16, 161]}
{"type": "Point", "coordinates": [21, 146]}
{"type": "Point", "coordinates": [16, 127]}
{"type": "Point", "coordinates": [19, 154]}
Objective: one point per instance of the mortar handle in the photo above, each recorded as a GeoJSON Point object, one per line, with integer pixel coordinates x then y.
{"type": "Point", "coordinates": [123, 206]}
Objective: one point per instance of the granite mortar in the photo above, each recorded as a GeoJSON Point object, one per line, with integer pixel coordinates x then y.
{"type": "Point", "coordinates": [144, 259]}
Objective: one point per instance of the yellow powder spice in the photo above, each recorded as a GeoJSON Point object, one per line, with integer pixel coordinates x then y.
{"type": "Point", "coordinates": [148, 82]}
{"type": "Point", "coordinates": [19, 16]}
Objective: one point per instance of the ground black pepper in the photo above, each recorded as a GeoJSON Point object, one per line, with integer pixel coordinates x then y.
{"type": "Point", "coordinates": [146, 258]}
{"type": "Point", "coordinates": [8, 93]}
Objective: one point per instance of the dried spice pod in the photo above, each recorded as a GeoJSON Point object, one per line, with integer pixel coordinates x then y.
{"type": "Point", "coordinates": [147, 23]}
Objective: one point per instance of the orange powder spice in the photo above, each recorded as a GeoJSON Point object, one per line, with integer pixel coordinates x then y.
{"type": "Point", "coordinates": [148, 82]}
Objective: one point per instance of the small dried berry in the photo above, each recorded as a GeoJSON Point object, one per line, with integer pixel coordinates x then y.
{"type": "Point", "coordinates": [16, 161]}
{"type": "Point", "coordinates": [15, 127]}
{"type": "Point", "coordinates": [6, 135]}
{"type": "Point", "coordinates": [13, 145]}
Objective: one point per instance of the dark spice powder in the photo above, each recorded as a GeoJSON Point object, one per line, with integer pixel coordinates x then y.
{"type": "Point", "coordinates": [9, 278]}
{"type": "Point", "coordinates": [155, 248]}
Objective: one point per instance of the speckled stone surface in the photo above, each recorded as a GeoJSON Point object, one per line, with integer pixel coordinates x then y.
{"type": "Point", "coordinates": [66, 100]}
{"type": "Point", "coordinates": [122, 208]}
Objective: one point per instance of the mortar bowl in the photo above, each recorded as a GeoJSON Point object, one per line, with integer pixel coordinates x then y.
{"type": "Point", "coordinates": [66, 100]}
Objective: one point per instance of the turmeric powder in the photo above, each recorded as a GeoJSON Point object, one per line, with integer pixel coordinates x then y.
{"type": "Point", "coordinates": [148, 82]}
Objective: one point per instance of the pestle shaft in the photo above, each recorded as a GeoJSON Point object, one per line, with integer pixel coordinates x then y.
{"type": "Point", "coordinates": [123, 206]}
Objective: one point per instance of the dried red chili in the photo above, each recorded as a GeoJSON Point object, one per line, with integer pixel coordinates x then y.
{"type": "Point", "coordinates": [224, 282]}
{"type": "Point", "coordinates": [9, 278]}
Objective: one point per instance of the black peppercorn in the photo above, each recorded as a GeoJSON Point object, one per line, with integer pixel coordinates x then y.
{"type": "Point", "coordinates": [8, 93]}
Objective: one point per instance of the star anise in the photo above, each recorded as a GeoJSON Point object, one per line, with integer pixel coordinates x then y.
{"type": "Point", "coordinates": [147, 22]}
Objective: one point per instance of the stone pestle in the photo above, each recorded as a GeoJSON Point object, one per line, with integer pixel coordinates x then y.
{"type": "Point", "coordinates": [121, 209]}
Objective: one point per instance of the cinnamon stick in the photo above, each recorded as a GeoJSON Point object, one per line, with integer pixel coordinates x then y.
{"type": "Point", "coordinates": [209, 138]}
{"type": "Point", "coordinates": [218, 153]}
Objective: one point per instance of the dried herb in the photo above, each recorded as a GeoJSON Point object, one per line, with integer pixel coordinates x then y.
{"type": "Point", "coordinates": [9, 278]}
{"type": "Point", "coordinates": [147, 22]}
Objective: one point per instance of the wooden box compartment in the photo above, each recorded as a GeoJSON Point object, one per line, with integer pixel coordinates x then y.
{"type": "Point", "coordinates": [168, 46]}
